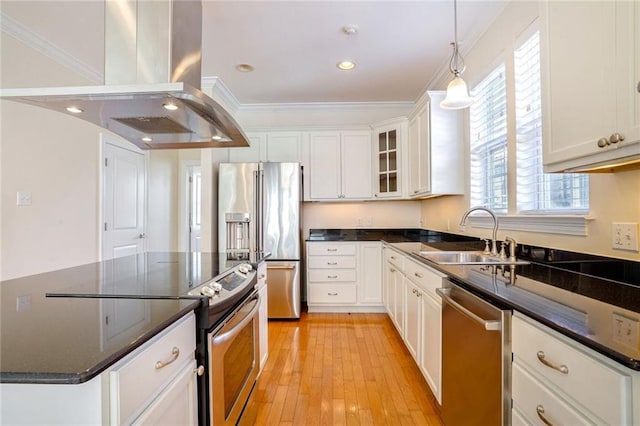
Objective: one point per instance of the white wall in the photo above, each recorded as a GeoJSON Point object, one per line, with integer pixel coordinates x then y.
{"type": "Point", "coordinates": [53, 157]}
{"type": "Point", "coordinates": [372, 214]}
{"type": "Point", "coordinates": [613, 197]}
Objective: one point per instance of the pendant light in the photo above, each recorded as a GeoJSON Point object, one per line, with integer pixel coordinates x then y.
{"type": "Point", "coordinates": [457, 91]}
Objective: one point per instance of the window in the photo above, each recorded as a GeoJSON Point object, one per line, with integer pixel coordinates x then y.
{"type": "Point", "coordinates": [488, 134]}
{"type": "Point", "coordinates": [547, 200]}
{"type": "Point", "coordinates": [538, 192]}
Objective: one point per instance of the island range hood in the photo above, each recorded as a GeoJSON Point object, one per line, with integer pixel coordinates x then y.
{"type": "Point", "coordinates": [151, 95]}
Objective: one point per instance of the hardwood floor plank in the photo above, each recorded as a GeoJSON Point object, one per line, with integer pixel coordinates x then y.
{"type": "Point", "coordinates": [336, 369]}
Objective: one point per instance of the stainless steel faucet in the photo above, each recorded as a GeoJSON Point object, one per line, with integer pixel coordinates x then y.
{"type": "Point", "coordinates": [494, 244]}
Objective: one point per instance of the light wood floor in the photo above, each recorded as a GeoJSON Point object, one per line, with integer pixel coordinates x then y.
{"type": "Point", "coordinates": [335, 369]}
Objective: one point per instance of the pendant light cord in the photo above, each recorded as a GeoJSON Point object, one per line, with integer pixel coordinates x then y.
{"type": "Point", "coordinates": [456, 64]}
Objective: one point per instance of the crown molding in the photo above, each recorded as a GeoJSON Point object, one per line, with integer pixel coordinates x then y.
{"type": "Point", "coordinates": [35, 41]}
{"type": "Point", "coordinates": [221, 92]}
{"type": "Point", "coordinates": [326, 105]}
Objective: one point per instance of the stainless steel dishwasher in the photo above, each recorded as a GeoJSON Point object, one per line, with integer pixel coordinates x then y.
{"type": "Point", "coordinates": [476, 359]}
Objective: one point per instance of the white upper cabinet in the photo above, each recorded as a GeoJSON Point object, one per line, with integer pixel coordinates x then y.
{"type": "Point", "coordinates": [250, 154]}
{"type": "Point", "coordinates": [590, 75]}
{"type": "Point", "coordinates": [339, 165]}
{"type": "Point", "coordinates": [269, 146]}
{"type": "Point", "coordinates": [436, 156]}
{"type": "Point", "coordinates": [388, 140]}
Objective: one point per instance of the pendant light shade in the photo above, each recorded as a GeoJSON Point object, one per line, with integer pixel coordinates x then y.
{"type": "Point", "coordinates": [457, 91]}
{"type": "Point", "coordinates": [457, 95]}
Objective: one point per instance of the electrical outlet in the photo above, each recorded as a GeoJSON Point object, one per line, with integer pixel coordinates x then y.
{"type": "Point", "coordinates": [626, 331]}
{"type": "Point", "coordinates": [624, 236]}
{"type": "Point", "coordinates": [359, 222]}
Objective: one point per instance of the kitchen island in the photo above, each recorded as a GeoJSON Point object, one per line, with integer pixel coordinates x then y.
{"type": "Point", "coordinates": [68, 337]}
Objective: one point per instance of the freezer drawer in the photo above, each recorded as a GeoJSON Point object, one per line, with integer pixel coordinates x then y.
{"type": "Point", "coordinates": [283, 289]}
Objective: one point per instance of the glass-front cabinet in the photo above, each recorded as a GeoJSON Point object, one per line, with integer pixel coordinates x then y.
{"type": "Point", "coordinates": [388, 139]}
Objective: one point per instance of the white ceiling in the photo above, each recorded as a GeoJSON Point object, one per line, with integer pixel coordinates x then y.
{"type": "Point", "coordinates": [294, 46]}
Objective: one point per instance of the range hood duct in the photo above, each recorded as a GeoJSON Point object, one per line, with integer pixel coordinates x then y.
{"type": "Point", "coordinates": [153, 53]}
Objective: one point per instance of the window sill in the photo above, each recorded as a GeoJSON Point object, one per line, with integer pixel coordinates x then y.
{"type": "Point", "coordinates": [547, 224]}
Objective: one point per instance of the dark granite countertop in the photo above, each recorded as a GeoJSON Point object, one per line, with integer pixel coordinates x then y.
{"type": "Point", "coordinates": [67, 339]}
{"type": "Point", "coordinates": [572, 293]}
{"type": "Point", "coordinates": [577, 305]}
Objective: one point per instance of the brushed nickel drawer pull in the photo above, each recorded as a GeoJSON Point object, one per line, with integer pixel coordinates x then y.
{"type": "Point", "coordinates": [418, 274]}
{"type": "Point", "coordinates": [393, 257]}
{"type": "Point", "coordinates": [175, 353]}
{"type": "Point", "coordinates": [332, 263]}
{"type": "Point", "coordinates": [392, 270]}
{"type": "Point", "coordinates": [332, 294]}
{"type": "Point", "coordinates": [332, 249]}
{"type": "Point", "coordinates": [561, 368]}
{"type": "Point", "coordinates": [541, 416]}
{"type": "Point", "coordinates": [332, 277]}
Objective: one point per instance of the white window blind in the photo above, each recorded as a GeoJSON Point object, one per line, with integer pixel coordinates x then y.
{"type": "Point", "coordinates": [488, 134]}
{"type": "Point", "coordinates": [538, 192]}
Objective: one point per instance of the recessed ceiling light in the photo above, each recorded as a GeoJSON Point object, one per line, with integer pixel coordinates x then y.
{"type": "Point", "coordinates": [346, 65]}
{"type": "Point", "coordinates": [74, 110]}
{"type": "Point", "coordinates": [146, 139]}
{"type": "Point", "coordinates": [170, 106]}
{"type": "Point", "coordinates": [350, 29]}
{"type": "Point", "coordinates": [244, 68]}
{"type": "Point", "coordinates": [216, 138]}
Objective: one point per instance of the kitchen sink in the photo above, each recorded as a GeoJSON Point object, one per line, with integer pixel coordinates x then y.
{"type": "Point", "coordinates": [466, 258]}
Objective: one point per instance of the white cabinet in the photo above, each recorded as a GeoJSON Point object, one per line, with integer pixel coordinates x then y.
{"type": "Point", "coordinates": [582, 115]}
{"type": "Point", "coordinates": [344, 276]}
{"type": "Point", "coordinates": [564, 382]}
{"type": "Point", "coordinates": [339, 165]}
{"type": "Point", "coordinates": [388, 140]}
{"type": "Point", "coordinates": [415, 309]}
{"type": "Point", "coordinates": [154, 384]}
{"type": "Point", "coordinates": [160, 371]}
{"type": "Point", "coordinates": [263, 313]}
{"type": "Point", "coordinates": [436, 156]}
{"type": "Point", "coordinates": [284, 146]}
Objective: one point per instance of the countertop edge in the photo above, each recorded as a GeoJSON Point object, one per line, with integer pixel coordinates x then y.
{"type": "Point", "coordinates": [85, 376]}
{"type": "Point", "coordinates": [631, 363]}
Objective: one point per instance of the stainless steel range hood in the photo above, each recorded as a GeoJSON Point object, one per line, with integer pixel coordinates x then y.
{"type": "Point", "coordinates": [151, 95]}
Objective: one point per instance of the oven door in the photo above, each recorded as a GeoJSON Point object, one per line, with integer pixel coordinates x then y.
{"type": "Point", "coordinates": [233, 362]}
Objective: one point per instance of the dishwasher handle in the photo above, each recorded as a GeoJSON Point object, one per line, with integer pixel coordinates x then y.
{"type": "Point", "coordinates": [488, 325]}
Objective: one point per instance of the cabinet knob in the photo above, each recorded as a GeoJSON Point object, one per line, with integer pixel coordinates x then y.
{"type": "Point", "coordinates": [638, 87]}
{"type": "Point", "coordinates": [602, 142]}
{"type": "Point", "coordinates": [616, 137]}
{"type": "Point", "coordinates": [200, 370]}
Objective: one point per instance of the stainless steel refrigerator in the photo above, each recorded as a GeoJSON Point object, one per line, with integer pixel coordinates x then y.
{"type": "Point", "coordinates": [259, 211]}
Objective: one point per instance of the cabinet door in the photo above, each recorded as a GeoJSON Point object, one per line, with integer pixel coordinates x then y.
{"type": "Point", "coordinates": [251, 154]}
{"type": "Point", "coordinates": [431, 342]}
{"type": "Point", "coordinates": [356, 165]}
{"type": "Point", "coordinates": [263, 314]}
{"type": "Point", "coordinates": [324, 166]}
{"type": "Point", "coordinates": [412, 323]}
{"type": "Point", "coordinates": [578, 37]}
{"type": "Point", "coordinates": [370, 276]}
{"type": "Point", "coordinates": [414, 156]}
{"type": "Point", "coordinates": [390, 294]}
{"type": "Point", "coordinates": [177, 404]}
{"type": "Point", "coordinates": [400, 283]}
{"type": "Point", "coordinates": [387, 141]}
{"type": "Point", "coordinates": [284, 147]}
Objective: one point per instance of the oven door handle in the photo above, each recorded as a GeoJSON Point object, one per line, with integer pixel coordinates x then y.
{"type": "Point", "coordinates": [487, 324]}
{"type": "Point", "coordinates": [239, 324]}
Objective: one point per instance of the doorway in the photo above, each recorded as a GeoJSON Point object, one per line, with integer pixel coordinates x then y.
{"type": "Point", "coordinates": [191, 206]}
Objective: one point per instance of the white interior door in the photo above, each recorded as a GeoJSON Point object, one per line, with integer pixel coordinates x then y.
{"type": "Point", "coordinates": [123, 201]}
{"type": "Point", "coordinates": [195, 191]}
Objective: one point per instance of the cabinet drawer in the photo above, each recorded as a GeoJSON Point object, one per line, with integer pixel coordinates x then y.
{"type": "Point", "coordinates": [535, 401]}
{"type": "Point", "coordinates": [137, 381]}
{"type": "Point", "coordinates": [331, 249]}
{"type": "Point", "coordinates": [332, 294]}
{"type": "Point", "coordinates": [427, 279]}
{"type": "Point", "coordinates": [331, 262]}
{"type": "Point", "coordinates": [332, 275]}
{"type": "Point", "coordinates": [585, 376]}
{"type": "Point", "coordinates": [394, 258]}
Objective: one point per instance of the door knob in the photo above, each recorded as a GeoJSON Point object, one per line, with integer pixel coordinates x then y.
{"type": "Point", "coordinates": [141, 236]}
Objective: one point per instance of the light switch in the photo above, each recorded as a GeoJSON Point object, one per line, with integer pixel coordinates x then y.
{"type": "Point", "coordinates": [23, 198]}
{"type": "Point", "coordinates": [624, 236]}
